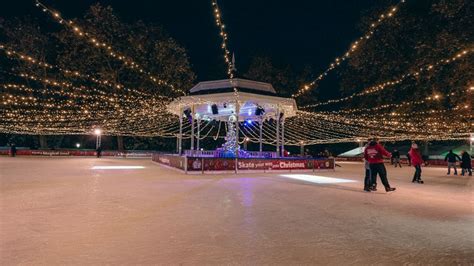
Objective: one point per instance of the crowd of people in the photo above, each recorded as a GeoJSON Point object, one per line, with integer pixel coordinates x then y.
{"type": "Point", "coordinates": [374, 154]}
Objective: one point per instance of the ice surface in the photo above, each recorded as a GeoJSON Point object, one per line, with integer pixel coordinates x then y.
{"type": "Point", "coordinates": [61, 211]}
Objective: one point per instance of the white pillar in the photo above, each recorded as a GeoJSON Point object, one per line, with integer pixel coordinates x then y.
{"type": "Point", "coordinates": [237, 111]}
{"type": "Point", "coordinates": [283, 137]}
{"type": "Point", "coordinates": [198, 132]}
{"type": "Point", "coordinates": [260, 135]}
{"type": "Point", "coordinates": [192, 128]}
{"type": "Point", "coordinates": [180, 135]}
{"type": "Point", "coordinates": [278, 133]}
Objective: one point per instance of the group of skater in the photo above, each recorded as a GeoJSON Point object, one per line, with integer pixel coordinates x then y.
{"type": "Point", "coordinates": [465, 159]}
{"type": "Point", "coordinates": [374, 154]}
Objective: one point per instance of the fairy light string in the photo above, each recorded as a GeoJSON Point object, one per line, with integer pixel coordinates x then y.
{"type": "Point", "coordinates": [108, 49]}
{"type": "Point", "coordinates": [425, 70]}
{"type": "Point", "coordinates": [356, 45]}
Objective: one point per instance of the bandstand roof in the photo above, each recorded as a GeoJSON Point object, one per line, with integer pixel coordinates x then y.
{"type": "Point", "coordinates": [228, 85]}
{"type": "Point", "coordinates": [251, 95]}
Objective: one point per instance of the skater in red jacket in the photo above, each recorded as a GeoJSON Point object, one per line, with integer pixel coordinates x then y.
{"type": "Point", "coordinates": [416, 161]}
{"type": "Point", "coordinates": [374, 154]}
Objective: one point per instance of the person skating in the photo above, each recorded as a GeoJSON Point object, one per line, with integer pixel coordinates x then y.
{"type": "Point", "coordinates": [416, 161]}
{"type": "Point", "coordinates": [368, 177]}
{"type": "Point", "coordinates": [13, 150]}
{"type": "Point", "coordinates": [466, 165]}
{"type": "Point", "coordinates": [374, 154]}
{"type": "Point", "coordinates": [99, 151]}
{"type": "Point", "coordinates": [451, 159]}
{"type": "Point", "coordinates": [396, 158]}
{"type": "Point", "coordinates": [409, 159]}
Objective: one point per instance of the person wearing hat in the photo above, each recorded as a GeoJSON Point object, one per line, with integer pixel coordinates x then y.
{"type": "Point", "coordinates": [416, 161]}
{"type": "Point", "coordinates": [374, 154]}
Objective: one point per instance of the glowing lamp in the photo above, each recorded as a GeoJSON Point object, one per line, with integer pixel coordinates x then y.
{"type": "Point", "coordinates": [97, 131]}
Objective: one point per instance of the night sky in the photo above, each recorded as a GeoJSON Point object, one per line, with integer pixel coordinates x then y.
{"type": "Point", "coordinates": [294, 32]}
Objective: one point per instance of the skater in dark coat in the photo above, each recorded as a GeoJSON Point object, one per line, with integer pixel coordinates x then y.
{"type": "Point", "coordinates": [452, 158]}
{"type": "Point", "coordinates": [99, 152]}
{"type": "Point", "coordinates": [409, 159]}
{"type": "Point", "coordinates": [12, 150]}
{"type": "Point", "coordinates": [416, 161]}
{"type": "Point", "coordinates": [396, 158]}
{"type": "Point", "coordinates": [466, 164]}
{"type": "Point", "coordinates": [374, 154]}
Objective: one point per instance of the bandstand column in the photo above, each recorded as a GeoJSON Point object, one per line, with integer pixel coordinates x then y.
{"type": "Point", "coordinates": [260, 135]}
{"type": "Point", "coordinates": [237, 112]}
{"type": "Point", "coordinates": [277, 133]}
{"type": "Point", "coordinates": [283, 137]}
{"type": "Point", "coordinates": [180, 135]}
{"type": "Point", "coordinates": [192, 128]}
{"type": "Point", "coordinates": [198, 132]}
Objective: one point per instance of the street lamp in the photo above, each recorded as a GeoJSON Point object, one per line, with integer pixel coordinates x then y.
{"type": "Point", "coordinates": [360, 142]}
{"type": "Point", "coordinates": [78, 145]}
{"type": "Point", "coordinates": [98, 133]}
{"type": "Point", "coordinates": [245, 142]}
{"type": "Point", "coordinates": [302, 148]}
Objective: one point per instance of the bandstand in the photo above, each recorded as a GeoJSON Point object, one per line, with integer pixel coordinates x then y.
{"type": "Point", "coordinates": [234, 102]}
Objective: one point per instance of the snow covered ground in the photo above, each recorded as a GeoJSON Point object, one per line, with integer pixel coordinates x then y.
{"type": "Point", "coordinates": [75, 211]}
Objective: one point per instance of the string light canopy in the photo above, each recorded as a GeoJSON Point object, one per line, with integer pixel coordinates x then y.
{"type": "Point", "coordinates": [106, 48]}
{"type": "Point", "coordinates": [356, 45]}
{"type": "Point", "coordinates": [425, 70]}
{"type": "Point", "coordinates": [43, 105]}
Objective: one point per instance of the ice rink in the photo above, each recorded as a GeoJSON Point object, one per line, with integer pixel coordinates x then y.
{"type": "Point", "coordinates": [76, 211]}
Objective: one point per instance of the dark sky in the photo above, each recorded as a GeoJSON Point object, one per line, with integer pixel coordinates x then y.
{"type": "Point", "coordinates": [295, 32]}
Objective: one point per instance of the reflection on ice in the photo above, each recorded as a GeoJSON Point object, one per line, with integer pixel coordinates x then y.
{"type": "Point", "coordinates": [116, 167]}
{"type": "Point", "coordinates": [318, 179]}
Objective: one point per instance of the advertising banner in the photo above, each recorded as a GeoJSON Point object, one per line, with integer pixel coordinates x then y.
{"type": "Point", "coordinates": [170, 160]}
{"type": "Point", "coordinates": [23, 152]}
{"type": "Point", "coordinates": [284, 164]}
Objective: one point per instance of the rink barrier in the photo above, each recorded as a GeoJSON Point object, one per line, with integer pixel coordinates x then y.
{"type": "Point", "coordinates": [202, 165]}
{"type": "Point", "coordinates": [65, 153]}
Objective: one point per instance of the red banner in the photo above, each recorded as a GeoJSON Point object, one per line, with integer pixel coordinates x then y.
{"type": "Point", "coordinates": [170, 160]}
{"type": "Point", "coordinates": [226, 164]}
{"type": "Point", "coordinates": [284, 164]}
{"type": "Point", "coordinates": [22, 152]}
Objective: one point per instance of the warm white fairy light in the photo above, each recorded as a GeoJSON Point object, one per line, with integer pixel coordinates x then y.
{"type": "Point", "coordinates": [68, 108]}
{"type": "Point", "coordinates": [224, 36]}
{"type": "Point", "coordinates": [352, 48]}
{"type": "Point", "coordinates": [107, 48]}
{"type": "Point", "coordinates": [426, 70]}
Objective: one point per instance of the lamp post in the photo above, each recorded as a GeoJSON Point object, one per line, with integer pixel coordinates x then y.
{"type": "Point", "coordinates": [78, 145]}
{"type": "Point", "coordinates": [98, 133]}
{"type": "Point", "coordinates": [360, 142]}
{"type": "Point", "coordinates": [246, 140]}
